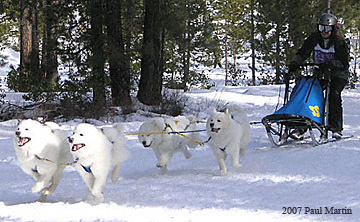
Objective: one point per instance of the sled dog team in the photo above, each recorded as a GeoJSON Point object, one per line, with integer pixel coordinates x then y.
{"type": "Point", "coordinates": [43, 150]}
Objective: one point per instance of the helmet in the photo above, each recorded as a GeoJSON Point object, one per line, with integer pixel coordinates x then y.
{"type": "Point", "coordinates": [328, 19]}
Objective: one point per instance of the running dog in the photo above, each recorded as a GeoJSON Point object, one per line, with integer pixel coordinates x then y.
{"type": "Point", "coordinates": [227, 136]}
{"type": "Point", "coordinates": [41, 149]}
{"type": "Point", "coordinates": [97, 151]}
{"type": "Point", "coordinates": [155, 134]}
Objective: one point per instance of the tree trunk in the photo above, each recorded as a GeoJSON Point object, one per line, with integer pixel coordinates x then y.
{"type": "Point", "coordinates": [29, 43]}
{"type": "Point", "coordinates": [97, 59]}
{"type": "Point", "coordinates": [186, 61]}
{"type": "Point", "coordinates": [118, 60]}
{"type": "Point", "coordinates": [129, 18]}
{"type": "Point", "coordinates": [234, 53]}
{"type": "Point", "coordinates": [49, 63]}
{"type": "Point", "coordinates": [253, 56]}
{"type": "Point", "coordinates": [150, 85]}
{"type": "Point", "coordinates": [226, 60]}
{"type": "Point", "coordinates": [278, 55]}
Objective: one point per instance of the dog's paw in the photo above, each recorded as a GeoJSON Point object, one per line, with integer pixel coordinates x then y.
{"type": "Point", "coordinates": [42, 199]}
{"type": "Point", "coordinates": [237, 165]}
{"type": "Point", "coordinates": [159, 165]}
{"type": "Point", "coordinates": [162, 167]}
{"type": "Point", "coordinates": [46, 192]}
{"type": "Point", "coordinates": [39, 186]}
{"type": "Point", "coordinates": [188, 156]}
{"type": "Point", "coordinates": [223, 171]}
{"type": "Point", "coordinates": [98, 196]}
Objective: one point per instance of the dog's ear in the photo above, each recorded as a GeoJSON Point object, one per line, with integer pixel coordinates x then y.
{"type": "Point", "coordinates": [159, 122]}
{"type": "Point", "coordinates": [227, 113]}
{"type": "Point", "coordinates": [192, 119]}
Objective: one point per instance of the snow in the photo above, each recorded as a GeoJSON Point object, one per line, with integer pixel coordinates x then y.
{"type": "Point", "coordinates": [12, 59]}
{"type": "Point", "coordinates": [193, 190]}
{"type": "Point", "coordinates": [271, 180]}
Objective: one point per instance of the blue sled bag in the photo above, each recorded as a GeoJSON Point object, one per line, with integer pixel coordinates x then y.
{"type": "Point", "coordinates": [306, 100]}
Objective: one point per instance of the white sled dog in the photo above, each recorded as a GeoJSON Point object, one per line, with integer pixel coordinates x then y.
{"type": "Point", "coordinates": [97, 151]}
{"type": "Point", "coordinates": [228, 136]}
{"type": "Point", "coordinates": [40, 150]}
{"type": "Point", "coordinates": [165, 145]}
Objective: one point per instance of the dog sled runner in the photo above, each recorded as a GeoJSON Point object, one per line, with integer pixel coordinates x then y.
{"type": "Point", "coordinates": [306, 110]}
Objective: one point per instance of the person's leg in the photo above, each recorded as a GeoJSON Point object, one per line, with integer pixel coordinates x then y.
{"type": "Point", "coordinates": [335, 105]}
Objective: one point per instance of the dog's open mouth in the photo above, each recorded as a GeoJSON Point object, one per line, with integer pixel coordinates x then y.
{"type": "Point", "coordinates": [76, 147]}
{"type": "Point", "coordinates": [146, 145]}
{"type": "Point", "coordinates": [23, 140]}
{"type": "Point", "coordinates": [215, 130]}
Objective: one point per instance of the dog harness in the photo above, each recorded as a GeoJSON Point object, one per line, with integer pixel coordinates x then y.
{"type": "Point", "coordinates": [87, 169]}
{"type": "Point", "coordinates": [220, 148]}
{"type": "Point", "coordinates": [35, 170]}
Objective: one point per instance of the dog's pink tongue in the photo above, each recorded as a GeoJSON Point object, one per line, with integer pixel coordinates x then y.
{"type": "Point", "coordinates": [216, 130]}
{"type": "Point", "coordinates": [23, 141]}
{"type": "Point", "coordinates": [76, 147]}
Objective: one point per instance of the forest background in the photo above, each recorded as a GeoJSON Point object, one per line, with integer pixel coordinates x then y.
{"type": "Point", "coordinates": [117, 50]}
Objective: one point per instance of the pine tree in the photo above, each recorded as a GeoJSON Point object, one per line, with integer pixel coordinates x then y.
{"type": "Point", "coordinates": [118, 60]}
{"type": "Point", "coordinates": [49, 62]}
{"type": "Point", "coordinates": [150, 85]}
{"type": "Point", "coordinates": [234, 27]}
{"type": "Point", "coordinates": [9, 20]}
{"type": "Point", "coordinates": [29, 44]}
{"type": "Point", "coordinates": [97, 57]}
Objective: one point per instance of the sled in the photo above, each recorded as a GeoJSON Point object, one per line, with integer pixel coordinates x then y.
{"type": "Point", "coordinates": [306, 110]}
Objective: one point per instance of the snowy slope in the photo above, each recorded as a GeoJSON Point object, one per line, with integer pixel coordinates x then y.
{"type": "Point", "coordinates": [270, 179]}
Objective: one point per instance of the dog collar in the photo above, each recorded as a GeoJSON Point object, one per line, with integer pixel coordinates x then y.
{"type": "Point", "coordinates": [87, 169]}
{"type": "Point", "coordinates": [222, 149]}
{"type": "Point", "coordinates": [35, 170]}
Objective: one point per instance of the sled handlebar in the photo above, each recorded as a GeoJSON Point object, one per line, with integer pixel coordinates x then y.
{"type": "Point", "coordinates": [300, 66]}
{"type": "Point", "coordinates": [309, 64]}
{"type": "Point", "coordinates": [320, 75]}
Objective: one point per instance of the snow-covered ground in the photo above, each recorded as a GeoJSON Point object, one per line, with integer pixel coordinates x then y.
{"type": "Point", "coordinates": [271, 181]}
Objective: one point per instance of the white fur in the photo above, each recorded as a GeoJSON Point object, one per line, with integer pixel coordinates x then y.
{"type": "Point", "coordinates": [101, 150]}
{"type": "Point", "coordinates": [228, 136]}
{"type": "Point", "coordinates": [46, 141]}
{"type": "Point", "coordinates": [165, 145]}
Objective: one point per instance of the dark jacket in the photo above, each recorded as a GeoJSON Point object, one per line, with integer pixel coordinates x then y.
{"type": "Point", "coordinates": [337, 47]}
